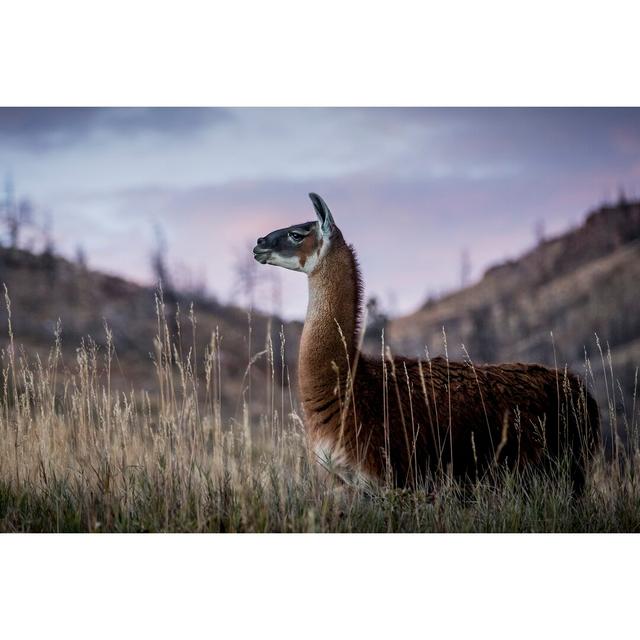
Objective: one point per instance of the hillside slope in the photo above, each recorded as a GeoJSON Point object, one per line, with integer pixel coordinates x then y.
{"type": "Point", "coordinates": [45, 288]}
{"type": "Point", "coordinates": [574, 286]}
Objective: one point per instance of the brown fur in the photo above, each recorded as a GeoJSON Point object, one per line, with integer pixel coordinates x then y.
{"type": "Point", "coordinates": [306, 249]}
{"type": "Point", "coordinates": [404, 420]}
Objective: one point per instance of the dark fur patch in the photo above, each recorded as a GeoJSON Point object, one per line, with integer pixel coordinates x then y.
{"type": "Point", "coordinates": [327, 419]}
{"type": "Point", "coordinates": [326, 405]}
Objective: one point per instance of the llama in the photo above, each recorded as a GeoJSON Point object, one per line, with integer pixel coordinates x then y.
{"type": "Point", "coordinates": [400, 421]}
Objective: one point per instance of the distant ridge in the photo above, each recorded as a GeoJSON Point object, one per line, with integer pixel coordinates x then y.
{"type": "Point", "coordinates": [44, 288]}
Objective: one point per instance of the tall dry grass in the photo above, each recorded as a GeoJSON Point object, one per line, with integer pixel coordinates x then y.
{"type": "Point", "coordinates": [76, 455]}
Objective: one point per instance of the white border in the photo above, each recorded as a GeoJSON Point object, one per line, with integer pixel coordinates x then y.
{"type": "Point", "coordinates": [321, 53]}
{"type": "Point", "coordinates": [306, 586]}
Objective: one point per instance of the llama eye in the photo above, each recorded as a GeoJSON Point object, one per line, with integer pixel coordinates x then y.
{"type": "Point", "coordinates": [295, 237]}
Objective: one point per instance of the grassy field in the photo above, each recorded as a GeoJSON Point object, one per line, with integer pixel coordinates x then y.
{"type": "Point", "coordinates": [76, 456]}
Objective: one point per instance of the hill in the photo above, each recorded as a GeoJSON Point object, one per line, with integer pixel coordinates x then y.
{"type": "Point", "coordinates": [44, 289]}
{"type": "Point", "coordinates": [574, 286]}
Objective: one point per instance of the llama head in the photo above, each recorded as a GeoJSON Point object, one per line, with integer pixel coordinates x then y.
{"type": "Point", "coordinates": [300, 247]}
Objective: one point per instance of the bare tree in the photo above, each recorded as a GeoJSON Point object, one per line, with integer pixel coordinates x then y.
{"type": "Point", "coordinates": [159, 255]}
{"type": "Point", "coordinates": [8, 202]}
{"type": "Point", "coordinates": [391, 304]}
{"type": "Point", "coordinates": [246, 277]}
{"type": "Point", "coordinates": [48, 241]}
{"type": "Point", "coordinates": [190, 282]}
{"type": "Point", "coordinates": [81, 257]}
{"type": "Point", "coordinates": [15, 215]}
{"type": "Point", "coordinates": [376, 317]}
{"type": "Point", "coordinates": [275, 282]}
{"type": "Point", "coordinates": [539, 231]}
{"type": "Point", "coordinates": [622, 197]}
{"type": "Point", "coordinates": [22, 217]}
{"type": "Point", "coordinates": [48, 249]}
{"type": "Point", "coordinates": [376, 323]}
{"type": "Point", "coordinates": [465, 268]}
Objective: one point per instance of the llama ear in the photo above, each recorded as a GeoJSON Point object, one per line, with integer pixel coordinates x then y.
{"type": "Point", "coordinates": [324, 215]}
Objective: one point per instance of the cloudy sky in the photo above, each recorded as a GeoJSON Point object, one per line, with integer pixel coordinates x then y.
{"type": "Point", "coordinates": [412, 189]}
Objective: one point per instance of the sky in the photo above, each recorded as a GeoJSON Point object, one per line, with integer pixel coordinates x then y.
{"type": "Point", "coordinates": [412, 189]}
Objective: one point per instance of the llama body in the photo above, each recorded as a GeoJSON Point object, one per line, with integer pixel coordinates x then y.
{"type": "Point", "coordinates": [402, 420]}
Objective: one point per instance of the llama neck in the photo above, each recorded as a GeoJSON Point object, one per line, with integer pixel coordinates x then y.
{"type": "Point", "coordinates": [331, 326]}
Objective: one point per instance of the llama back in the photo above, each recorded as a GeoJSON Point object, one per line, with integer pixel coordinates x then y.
{"type": "Point", "coordinates": [423, 417]}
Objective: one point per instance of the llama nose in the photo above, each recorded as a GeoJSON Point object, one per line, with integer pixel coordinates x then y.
{"type": "Point", "coordinates": [260, 241]}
